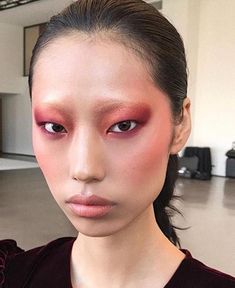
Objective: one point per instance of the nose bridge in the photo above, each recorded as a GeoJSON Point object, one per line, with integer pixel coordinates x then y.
{"type": "Point", "coordinates": [86, 156]}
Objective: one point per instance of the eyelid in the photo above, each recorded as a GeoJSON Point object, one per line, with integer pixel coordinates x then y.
{"type": "Point", "coordinates": [136, 122]}
{"type": "Point", "coordinates": [43, 124]}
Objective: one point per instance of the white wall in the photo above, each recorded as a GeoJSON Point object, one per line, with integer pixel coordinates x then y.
{"type": "Point", "coordinates": [207, 27]}
{"type": "Point", "coordinates": [215, 94]}
{"type": "Point", "coordinates": [187, 25]}
{"type": "Point", "coordinates": [14, 93]}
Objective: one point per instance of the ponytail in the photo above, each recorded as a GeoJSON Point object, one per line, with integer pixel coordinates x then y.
{"type": "Point", "coordinates": [163, 208]}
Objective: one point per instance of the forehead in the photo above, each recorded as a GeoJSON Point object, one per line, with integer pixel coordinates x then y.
{"type": "Point", "coordinates": [96, 57]}
{"type": "Point", "coordinates": [78, 67]}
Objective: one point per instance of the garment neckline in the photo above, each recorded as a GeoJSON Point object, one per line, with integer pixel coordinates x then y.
{"type": "Point", "coordinates": [179, 269]}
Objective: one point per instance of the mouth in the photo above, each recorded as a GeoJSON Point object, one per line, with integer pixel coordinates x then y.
{"type": "Point", "coordinates": [89, 207]}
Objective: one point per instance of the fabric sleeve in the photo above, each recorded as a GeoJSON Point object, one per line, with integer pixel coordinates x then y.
{"type": "Point", "coordinates": [8, 248]}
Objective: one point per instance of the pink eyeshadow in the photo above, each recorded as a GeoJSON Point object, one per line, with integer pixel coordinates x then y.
{"type": "Point", "coordinates": [139, 113]}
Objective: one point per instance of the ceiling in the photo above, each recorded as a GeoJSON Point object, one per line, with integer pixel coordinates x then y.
{"type": "Point", "coordinates": [36, 12]}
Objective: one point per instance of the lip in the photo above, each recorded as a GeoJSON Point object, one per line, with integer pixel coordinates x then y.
{"type": "Point", "coordinates": [90, 207]}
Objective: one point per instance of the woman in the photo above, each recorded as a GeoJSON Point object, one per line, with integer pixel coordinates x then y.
{"type": "Point", "coordinates": [108, 84]}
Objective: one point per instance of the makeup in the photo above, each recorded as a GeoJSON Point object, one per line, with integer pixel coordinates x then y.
{"type": "Point", "coordinates": [137, 112]}
{"type": "Point", "coordinates": [52, 114]}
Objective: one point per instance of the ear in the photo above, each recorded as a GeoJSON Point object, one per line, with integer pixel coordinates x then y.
{"type": "Point", "coordinates": [182, 129]}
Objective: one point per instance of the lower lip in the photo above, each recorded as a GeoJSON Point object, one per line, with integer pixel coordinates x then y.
{"type": "Point", "coordinates": [90, 211]}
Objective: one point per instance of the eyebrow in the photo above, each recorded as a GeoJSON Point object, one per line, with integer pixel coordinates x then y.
{"type": "Point", "coordinates": [103, 107]}
{"type": "Point", "coordinates": [106, 107]}
{"type": "Point", "coordinates": [54, 106]}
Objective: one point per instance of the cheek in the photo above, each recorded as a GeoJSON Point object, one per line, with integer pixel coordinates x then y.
{"type": "Point", "coordinates": [143, 164]}
{"type": "Point", "coordinates": [48, 157]}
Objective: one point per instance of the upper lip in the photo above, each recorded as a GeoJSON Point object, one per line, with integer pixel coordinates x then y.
{"type": "Point", "coordinates": [89, 200]}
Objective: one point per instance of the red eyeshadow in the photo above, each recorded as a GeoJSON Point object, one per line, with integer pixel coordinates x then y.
{"type": "Point", "coordinates": [140, 113]}
{"type": "Point", "coordinates": [48, 114]}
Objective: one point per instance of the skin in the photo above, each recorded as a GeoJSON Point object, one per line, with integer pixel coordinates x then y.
{"type": "Point", "coordinates": [88, 86]}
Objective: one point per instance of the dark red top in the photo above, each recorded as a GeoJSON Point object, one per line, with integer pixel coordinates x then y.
{"type": "Point", "coordinates": [49, 266]}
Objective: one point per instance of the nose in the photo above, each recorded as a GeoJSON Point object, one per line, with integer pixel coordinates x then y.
{"type": "Point", "coordinates": [87, 158]}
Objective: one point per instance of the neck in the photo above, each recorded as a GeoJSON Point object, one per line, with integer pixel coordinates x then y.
{"type": "Point", "coordinates": [131, 255]}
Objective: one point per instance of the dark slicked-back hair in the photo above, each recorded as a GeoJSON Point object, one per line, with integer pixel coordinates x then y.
{"type": "Point", "coordinates": [140, 26]}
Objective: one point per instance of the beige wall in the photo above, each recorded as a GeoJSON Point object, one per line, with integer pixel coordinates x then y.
{"type": "Point", "coordinates": [31, 36]}
{"type": "Point", "coordinates": [11, 49]}
{"type": "Point", "coordinates": [207, 27]}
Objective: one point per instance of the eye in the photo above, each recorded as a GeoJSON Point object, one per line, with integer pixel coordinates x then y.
{"type": "Point", "coordinates": [123, 126]}
{"type": "Point", "coordinates": [53, 128]}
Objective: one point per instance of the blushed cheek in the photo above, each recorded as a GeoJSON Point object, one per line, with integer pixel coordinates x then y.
{"type": "Point", "coordinates": [144, 165]}
{"type": "Point", "coordinates": [40, 153]}
{"type": "Point", "coordinates": [149, 163]}
{"type": "Point", "coordinates": [48, 159]}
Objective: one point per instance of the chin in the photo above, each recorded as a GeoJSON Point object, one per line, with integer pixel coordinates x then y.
{"type": "Point", "coordinates": [95, 231]}
{"type": "Point", "coordinates": [96, 227]}
{"type": "Point", "coordinates": [96, 234]}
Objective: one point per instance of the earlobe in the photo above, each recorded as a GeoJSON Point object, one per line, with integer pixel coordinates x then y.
{"type": "Point", "coordinates": [182, 130]}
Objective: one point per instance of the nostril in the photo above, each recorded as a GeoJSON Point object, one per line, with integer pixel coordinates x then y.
{"type": "Point", "coordinates": [88, 177]}
{"type": "Point", "coordinates": [87, 164]}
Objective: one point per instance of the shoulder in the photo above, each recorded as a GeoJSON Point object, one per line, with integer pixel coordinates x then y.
{"type": "Point", "coordinates": [193, 273]}
{"type": "Point", "coordinates": [8, 249]}
{"type": "Point", "coordinates": [17, 265]}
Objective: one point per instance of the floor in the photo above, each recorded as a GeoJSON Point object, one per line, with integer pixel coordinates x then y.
{"type": "Point", "coordinates": [208, 208]}
{"type": "Point", "coordinates": [209, 212]}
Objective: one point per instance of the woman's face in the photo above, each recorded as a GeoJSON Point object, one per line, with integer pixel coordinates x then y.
{"type": "Point", "coordinates": [100, 127]}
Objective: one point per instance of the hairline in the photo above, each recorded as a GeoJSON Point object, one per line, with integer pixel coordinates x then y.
{"type": "Point", "coordinates": [112, 35]}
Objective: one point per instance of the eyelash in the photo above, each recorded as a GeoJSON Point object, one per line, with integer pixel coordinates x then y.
{"type": "Point", "coordinates": [43, 125]}
{"type": "Point", "coordinates": [126, 121]}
